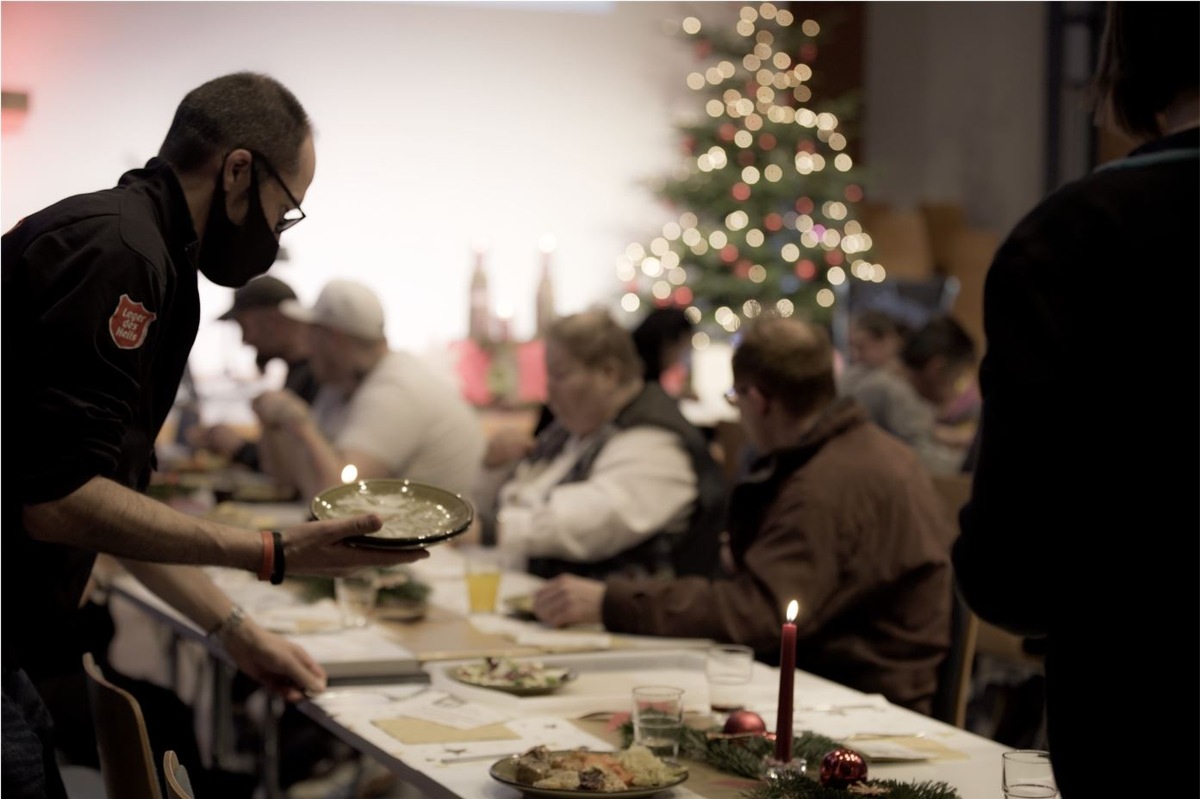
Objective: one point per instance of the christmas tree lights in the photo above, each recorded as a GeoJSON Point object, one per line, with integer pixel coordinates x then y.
{"type": "Point", "coordinates": [766, 191]}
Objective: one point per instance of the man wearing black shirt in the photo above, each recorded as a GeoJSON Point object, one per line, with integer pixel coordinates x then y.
{"type": "Point", "coordinates": [101, 304]}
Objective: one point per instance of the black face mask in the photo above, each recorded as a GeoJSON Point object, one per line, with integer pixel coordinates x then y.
{"type": "Point", "coordinates": [230, 255]}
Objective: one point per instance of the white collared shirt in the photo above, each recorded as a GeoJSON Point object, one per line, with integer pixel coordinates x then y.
{"type": "Point", "coordinates": [641, 483]}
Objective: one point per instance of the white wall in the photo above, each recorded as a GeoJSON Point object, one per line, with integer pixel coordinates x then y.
{"type": "Point", "coordinates": [439, 126]}
{"type": "Point", "coordinates": [445, 125]}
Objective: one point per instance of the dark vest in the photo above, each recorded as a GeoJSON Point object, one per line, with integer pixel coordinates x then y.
{"type": "Point", "coordinates": [693, 551]}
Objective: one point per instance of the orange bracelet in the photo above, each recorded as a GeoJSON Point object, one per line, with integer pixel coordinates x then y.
{"type": "Point", "coordinates": [267, 568]}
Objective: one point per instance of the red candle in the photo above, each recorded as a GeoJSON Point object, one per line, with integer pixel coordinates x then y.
{"type": "Point", "coordinates": [787, 676]}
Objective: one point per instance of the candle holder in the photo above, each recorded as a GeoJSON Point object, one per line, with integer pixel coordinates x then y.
{"type": "Point", "coordinates": [774, 770]}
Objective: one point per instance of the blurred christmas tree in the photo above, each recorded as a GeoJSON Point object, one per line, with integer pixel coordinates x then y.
{"type": "Point", "coordinates": [767, 191]}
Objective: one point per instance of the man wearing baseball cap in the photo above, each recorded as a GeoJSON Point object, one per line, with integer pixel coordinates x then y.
{"type": "Point", "coordinates": [380, 410]}
{"type": "Point", "coordinates": [272, 335]}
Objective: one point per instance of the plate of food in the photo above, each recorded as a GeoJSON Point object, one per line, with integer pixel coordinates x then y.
{"type": "Point", "coordinates": [571, 773]}
{"type": "Point", "coordinates": [516, 677]}
{"type": "Point", "coordinates": [414, 514]}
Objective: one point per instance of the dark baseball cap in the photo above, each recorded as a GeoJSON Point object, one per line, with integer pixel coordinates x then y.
{"type": "Point", "coordinates": [261, 292]}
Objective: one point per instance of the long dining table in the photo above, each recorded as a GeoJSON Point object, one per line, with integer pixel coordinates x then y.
{"type": "Point", "coordinates": [393, 694]}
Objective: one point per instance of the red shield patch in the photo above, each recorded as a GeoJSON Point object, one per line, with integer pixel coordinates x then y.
{"type": "Point", "coordinates": [129, 323]}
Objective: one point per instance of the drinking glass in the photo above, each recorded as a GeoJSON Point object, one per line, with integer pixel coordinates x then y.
{"type": "Point", "coordinates": [356, 596]}
{"type": "Point", "coordinates": [658, 718]}
{"type": "Point", "coordinates": [729, 668]}
{"type": "Point", "coordinates": [1028, 775]}
{"type": "Point", "coordinates": [482, 565]}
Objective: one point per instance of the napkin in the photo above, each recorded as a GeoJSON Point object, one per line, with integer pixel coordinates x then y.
{"type": "Point", "coordinates": [319, 617]}
{"type": "Point", "coordinates": [902, 748]}
{"type": "Point", "coordinates": [408, 730]}
{"type": "Point", "coordinates": [526, 633]}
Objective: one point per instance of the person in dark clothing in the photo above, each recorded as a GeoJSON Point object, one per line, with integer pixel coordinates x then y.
{"type": "Point", "coordinates": [102, 289]}
{"type": "Point", "coordinates": [272, 335]}
{"type": "Point", "coordinates": [1068, 473]}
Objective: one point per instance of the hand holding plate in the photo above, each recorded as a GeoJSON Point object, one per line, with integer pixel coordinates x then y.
{"type": "Point", "coordinates": [319, 547]}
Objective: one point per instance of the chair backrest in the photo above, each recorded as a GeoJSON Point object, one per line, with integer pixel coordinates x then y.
{"type": "Point", "coordinates": [176, 776]}
{"type": "Point", "coordinates": [125, 757]}
{"type": "Point", "coordinates": [954, 673]}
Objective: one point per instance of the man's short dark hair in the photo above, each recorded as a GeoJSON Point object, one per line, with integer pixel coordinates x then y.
{"type": "Point", "coordinates": [939, 337]}
{"type": "Point", "coordinates": [660, 327]}
{"type": "Point", "coordinates": [787, 360]}
{"type": "Point", "coordinates": [1148, 59]}
{"type": "Point", "coordinates": [244, 109]}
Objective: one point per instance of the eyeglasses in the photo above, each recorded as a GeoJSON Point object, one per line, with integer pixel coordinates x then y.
{"type": "Point", "coordinates": [294, 214]}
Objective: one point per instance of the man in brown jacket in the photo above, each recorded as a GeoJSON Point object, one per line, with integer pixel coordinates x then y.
{"type": "Point", "coordinates": [836, 514]}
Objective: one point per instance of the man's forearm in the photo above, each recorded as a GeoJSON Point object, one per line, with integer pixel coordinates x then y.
{"type": "Point", "coordinates": [103, 516]}
{"type": "Point", "coordinates": [186, 588]}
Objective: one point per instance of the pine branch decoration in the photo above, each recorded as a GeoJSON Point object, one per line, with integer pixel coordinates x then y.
{"type": "Point", "coordinates": [743, 755]}
{"type": "Point", "coordinates": [798, 786]}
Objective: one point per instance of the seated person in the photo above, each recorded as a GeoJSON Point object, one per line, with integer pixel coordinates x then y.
{"type": "Point", "coordinates": [272, 335]}
{"type": "Point", "coordinates": [836, 514]}
{"type": "Point", "coordinates": [903, 395]}
{"type": "Point", "coordinates": [620, 482]}
{"type": "Point", "coordinates": [380, 410]}
{"type": "Point", "coordinates": [663, 340]}
{"type": "Point", "coordinates": [941, 365]}
{"type": "Point", "coordinates": [875, 340]}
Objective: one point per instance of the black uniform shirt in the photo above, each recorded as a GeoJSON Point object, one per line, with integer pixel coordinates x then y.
{"type": "Point", "coordinates": [101, 309]}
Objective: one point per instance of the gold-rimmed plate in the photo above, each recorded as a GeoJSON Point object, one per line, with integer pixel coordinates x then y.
{"type": "Point", "coordinates": [415, 515]}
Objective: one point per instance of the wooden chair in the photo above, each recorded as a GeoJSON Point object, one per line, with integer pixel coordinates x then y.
{"type": "Point", "coordinates": [126, 761]}
{"type": "Point", "coordinates": [176, 776]}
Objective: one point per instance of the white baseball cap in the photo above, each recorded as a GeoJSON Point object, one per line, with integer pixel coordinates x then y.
{"type": "Point", "coordinates": [345, 305]}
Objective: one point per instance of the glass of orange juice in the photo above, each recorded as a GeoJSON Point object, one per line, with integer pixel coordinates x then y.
{"type": "Point", "coordinates": [482, 568]}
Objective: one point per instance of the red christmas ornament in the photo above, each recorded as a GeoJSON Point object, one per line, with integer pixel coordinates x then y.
{"type": "Point", "coordinates": [744, 721]}
{"type": "Point", "coordinates": [842, 768]}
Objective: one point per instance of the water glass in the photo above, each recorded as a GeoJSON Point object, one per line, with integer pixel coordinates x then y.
{"type": "Point", "coordinates": [356, 596]}
{"type": "Point", "coordinates": [482, 567]}
{"type": "Point", "coordinates": [1028, 775]}
{"type": "Point", "coordinates": [728, 668]}
{"type": "Point", "coordinates": [658, 718]}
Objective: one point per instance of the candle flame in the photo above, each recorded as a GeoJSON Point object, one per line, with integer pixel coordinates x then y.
{"type": "Point", "coordinates": [350, 473]}
{"type": "Point", "coordinates": [793, 609]}
{"type": "Point", "coordinates": [547, 243]}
